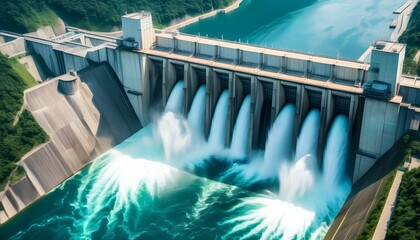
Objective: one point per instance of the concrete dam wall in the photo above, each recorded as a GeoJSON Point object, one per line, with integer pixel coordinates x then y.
{"type": "Point", "coordinates": [84, 115]}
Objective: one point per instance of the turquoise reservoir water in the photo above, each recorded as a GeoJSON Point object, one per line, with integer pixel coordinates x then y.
{"type": "Point", "coordinates": [335, 28]}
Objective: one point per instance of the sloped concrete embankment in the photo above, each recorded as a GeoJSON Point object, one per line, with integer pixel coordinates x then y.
{"type": "Point", "coordinates": [84, 116]}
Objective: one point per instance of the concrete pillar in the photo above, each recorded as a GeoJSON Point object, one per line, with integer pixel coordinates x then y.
{"type": "Point", "coordinates": [300, 97]}
{"type": "Point", "coordinates": [283, 64]}
{"type": "Point", "coordinates": [145, 96]}
{"type": "Point", "coordinates": [170, 78]}
{"type": "Point", "coordinates": [188, 97]}
{"type": "Point", "coordinates": [308, 69]}
{"type": "Point", "coordinates": [257, 99]}
{"type": "Point", "coordinates": [323, 125]}
{"type": "Point", "coordinates": [152, 76]}
{"type": "Point", "coordinates": [279, 98]}
{"type": "Point", "coordinates": [213, 88]}
{"type": "Point", "coordinates": [332, 74]}
{"type": "Point", "coordinates": [237, 94]}
{"type": "Point", "coordinates": [231, 110]}
{"type": "Point", "coordinates": [191, 85]}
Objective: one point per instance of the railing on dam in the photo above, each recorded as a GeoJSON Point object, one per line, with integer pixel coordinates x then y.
{"type": "Point", "coordinates": [345, 72]}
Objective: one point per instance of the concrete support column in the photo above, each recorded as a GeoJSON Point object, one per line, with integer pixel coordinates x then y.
{"type": "Point", "coordinates": [332, 73]}
{"type": "Point", "coordinates": [213, 88]}
{"type": "Point", "coordinates": [191, 85]}
{"type": "Point", "coordinates": [231, 109]}
{"type": "Point", "coordinates": [170, 77]}
{"type": "Point", "coordinates": [188, 97]}
{"type": "Point", "coordinates": [145, 96]}
{"type": "Point", "coordinates": [323, 125]}
{"type": "Point", "coordinates": [279, 98]}
{"type": "Point", "coordinates": [283, 64]}
{"type": "Point", "coordinates": [257, 99]}
{"type": "Point", "coordinates": [308, 69]}
{"type": "Point", "coordinates": [300, 97]}
{"type": "Point", "coordinates": [354, 102]}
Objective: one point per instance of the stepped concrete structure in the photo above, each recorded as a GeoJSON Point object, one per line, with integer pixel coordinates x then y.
{"type": "Point", "coordinates": [84, 114]}
{"type": "Point", "coordinates": [380, 103]}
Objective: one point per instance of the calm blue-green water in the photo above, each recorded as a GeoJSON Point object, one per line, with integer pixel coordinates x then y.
{"type": "Point", "coordinates": [335, 28]}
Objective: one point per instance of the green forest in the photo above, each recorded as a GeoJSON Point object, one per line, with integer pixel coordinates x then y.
{"type": "Point", "coordinates": [405, 220]}
{"type": "Point", "coordinates": [15, 140]}
{"type": "Point", "coordinates": [100, 15]}
{"type": "Point", "coordinates": [411, 37]}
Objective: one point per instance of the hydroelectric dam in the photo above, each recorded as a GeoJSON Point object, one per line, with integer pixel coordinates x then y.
{"type": "Point", "coordinates": [344, 114]}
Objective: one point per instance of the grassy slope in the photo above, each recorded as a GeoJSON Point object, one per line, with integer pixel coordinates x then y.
{"type": "Point", "coordinates": [15, 141]}
{"type": "Point", "coordinates": [23, 73]}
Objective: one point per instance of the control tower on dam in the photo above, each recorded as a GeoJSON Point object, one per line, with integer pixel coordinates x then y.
{"type": "Point", "coordinates": [380, 103]}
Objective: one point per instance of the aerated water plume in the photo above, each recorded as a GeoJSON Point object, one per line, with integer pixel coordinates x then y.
{"type": "Point", "coordinates": [240, 131]}
{"type": "Point", "coordinates": [308, 199]}
{"type": "Point", "coordinates": [279, 144]}
{"type": "Point", "coordinates": [218, 128]}
{"type": "Point", "coordinates": [307, 142]}
{"type": "Point", "coordinates": [197, 113]}
{"type": "Point", "coordinates": [335, 150]}
{"type": "Point", "coordinates": [174, 103]}
{"type": "Point", "coordinates": [139, 189]}
{"type": "Point", "coordinates": [297, 178]}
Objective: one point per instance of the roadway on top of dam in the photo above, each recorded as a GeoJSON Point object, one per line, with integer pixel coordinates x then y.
{"type": "Point", "coordinates": [255, 71]}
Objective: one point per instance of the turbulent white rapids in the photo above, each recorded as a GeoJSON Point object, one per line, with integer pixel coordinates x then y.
{"type": "Point", "coordinates": [306, 202]}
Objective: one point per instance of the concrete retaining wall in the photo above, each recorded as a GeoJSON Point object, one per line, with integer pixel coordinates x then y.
{"type": "Point", "coordinates": [81, 126]}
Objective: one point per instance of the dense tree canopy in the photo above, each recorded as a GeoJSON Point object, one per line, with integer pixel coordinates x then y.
{"type": "Point", "coordinates": [28, 15]}
{"type": "Point", "coordinates": [405, 220]}
{"type": "Point", "coordinates": [24, 15]}
{"type": "Point", "coordinates": [412, 38]}
{"type": "Point", "coordinates": [15, 141]}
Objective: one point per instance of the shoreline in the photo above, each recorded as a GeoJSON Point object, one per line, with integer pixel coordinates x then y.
{"type": "Point", "coordinates": [187, 22]}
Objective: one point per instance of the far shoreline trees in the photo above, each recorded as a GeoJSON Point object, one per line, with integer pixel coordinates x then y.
{"type": "Point", "coordinates": [98, 15]}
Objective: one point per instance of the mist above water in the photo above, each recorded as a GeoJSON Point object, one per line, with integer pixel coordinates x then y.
{"type": "Point", "coordinates": [140, 188]}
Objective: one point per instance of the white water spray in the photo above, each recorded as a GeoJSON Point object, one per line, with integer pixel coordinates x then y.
{"type": "Point", "coordinates": [197, 113]}
{"type": "Point", "coordinates": [218, 129]}
{"type": "Point", "coordinates": [279, 142]}
{"type": "Point", "coordinates": [239, 144]}
{"type": "Point", "coordinates": [307, 142]}
{"type": "Point", "coordinates": [174, 103]}
{"type": "Point", "coordinates": [336, 152]}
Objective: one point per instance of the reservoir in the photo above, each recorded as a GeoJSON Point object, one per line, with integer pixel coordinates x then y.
{"type": "Point", "coordinates": [334, 28]}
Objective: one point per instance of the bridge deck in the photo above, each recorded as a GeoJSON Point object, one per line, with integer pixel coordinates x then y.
{"type": "Point", "coordinates": [255, 71]}
{"type": "Point", "coordinates": [266, 50]}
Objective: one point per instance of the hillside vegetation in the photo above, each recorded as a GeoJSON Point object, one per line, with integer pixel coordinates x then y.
{"type": "Point", "coordinates": [405, 220]}
{"type": "Point", "coordinates": [411, 37]}
{"type": "Point", "coordinates": [24, 16]}
{"type": "Point", "coordinates": [16, 140]}
{"type": "Point", "coordinates": [100, 15]}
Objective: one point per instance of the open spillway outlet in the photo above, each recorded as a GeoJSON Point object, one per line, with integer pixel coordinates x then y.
{"type": "Point", "coordinates": [215, 85]}
{"type": "Point", "coordinates": [156, 83]}
{"type": "Point", "coordinates": [198, 77]}
{"type": "Point", "coordinates": [176, 72]}
{"type": "Point", "coordinates": [241, 88]}
{"type": "Point", "coordinates": [264, 109]}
